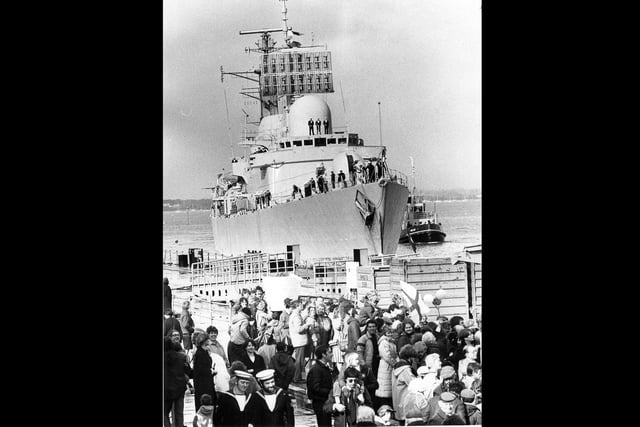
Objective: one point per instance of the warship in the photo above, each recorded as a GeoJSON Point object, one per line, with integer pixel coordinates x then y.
{"type": "Point", "coordinates": [302, 186]}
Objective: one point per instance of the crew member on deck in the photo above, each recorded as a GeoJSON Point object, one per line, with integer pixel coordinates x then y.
{"type": "Point", "coordinates": [237, 407]}
{"type": "Point", "coordinates": [333, 180]}
{"type": "Point", "coordinates": [318, 124]}
{"type": "Point", "coordinates": [274, 404]}
{"type": "Point", "coordinates": [326, 126]}
{"type": "Point", "coordinates": [310, 123]}
{"type": "Point", "coordinates": [341, 179]}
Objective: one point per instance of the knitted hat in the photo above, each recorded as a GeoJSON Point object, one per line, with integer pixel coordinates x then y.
{"type": "Point", "coordinates": [364, 414]}
{"type": "Point", "coordinates": [384, 409]}
{"type": "Point", "coordinates": [447, 372]}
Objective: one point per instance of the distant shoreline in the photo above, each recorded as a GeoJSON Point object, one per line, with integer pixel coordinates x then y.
{"type": "Point", "coordinates": [174, 205]}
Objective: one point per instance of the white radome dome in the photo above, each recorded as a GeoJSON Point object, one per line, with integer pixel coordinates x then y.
{"type": "Point", "coordinates": [305, 108]}
{"type": "Point", "coordinates": [340, 162]}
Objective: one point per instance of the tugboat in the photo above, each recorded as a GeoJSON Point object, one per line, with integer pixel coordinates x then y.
{"type": "Point", "coordinates": [303, 186]}
{"type": "Point", "coordinates": [419, 225]}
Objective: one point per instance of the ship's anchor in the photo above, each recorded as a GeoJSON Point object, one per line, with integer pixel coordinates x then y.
{"type": "Point", "coordinates": [366, 208]}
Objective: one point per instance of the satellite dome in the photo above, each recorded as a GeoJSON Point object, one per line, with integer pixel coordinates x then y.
{"type": "Point", "coordinates": [341, 161]}
{"type": "Point", "coordinates": [305, 108]}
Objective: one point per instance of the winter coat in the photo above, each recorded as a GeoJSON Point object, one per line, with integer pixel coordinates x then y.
{"type": "Point", "coordinates": [253, 367]}
{"type": "Point", "coordinates": [353, 333]}
{"type": "Point", "coordinates": [166, 301]}
{"type": "Point", "coordinates": [285, 368]}
{"type": "Point", "coordinates": [202, 376]}
{"type": "Point", "coordinates": [365, 313]}
{"type": "Point", "coordinates": [365, 348]}
{"type": "Point", "coordinates": [176, 374]}
{"type": "Point", "coordinates": [297, 330]}
{"type": "Point", "coordinates": [325, 331]}
{"type": "Point", "coordinates": [186, 322]}
{"type": "Point", "coordinates": [267, 351]}
{"type": "Point", "coordinates": [349, 399]}
{"type": "Point", "coordinates": [283, 326]}
{"type": "Point", "coordinates": [403, 340]}
{"type": "Point", "coordinates": [402, 376]}
{"type": "Point", "coordinates": [388, 359]}
{"type": "Point", "coordinates": [238, 329]}
{"type": "Point", "coordinates": [474, 414]}
{"type": "Point", "coordinates": [171, 323]}
{"type": "Point", "coordinates": [319, 382]}
{"type": "Point", "coordinates": [367, 378]}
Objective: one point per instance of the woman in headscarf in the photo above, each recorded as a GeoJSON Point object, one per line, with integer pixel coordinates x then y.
{"type": "Point", "coordinates": [203, 370]}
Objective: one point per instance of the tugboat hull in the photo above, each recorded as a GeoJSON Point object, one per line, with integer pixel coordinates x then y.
{"type": "Point", "coordinates": [423, 235]}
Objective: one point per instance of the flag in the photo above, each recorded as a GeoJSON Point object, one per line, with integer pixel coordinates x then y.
{"type": "Point", "coordinates": [412, 296]}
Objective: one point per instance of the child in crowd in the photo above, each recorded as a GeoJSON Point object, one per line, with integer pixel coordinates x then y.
{"type": "Point", "coordinates": [204, 416]}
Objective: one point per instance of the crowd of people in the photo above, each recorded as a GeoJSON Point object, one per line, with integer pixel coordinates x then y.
{"type": "Point", "coordinates": [363, 172]}
{"type": "Point", "coordinates": [360, 364]}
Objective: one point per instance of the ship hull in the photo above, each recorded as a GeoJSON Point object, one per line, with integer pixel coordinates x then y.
{"type": "Point", "coordinates": [326, 225]}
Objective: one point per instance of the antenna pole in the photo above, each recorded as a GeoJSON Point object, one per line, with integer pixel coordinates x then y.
{"type": "Point", "coordinates": [228, 122]}
{"type": "Point", "coordinates": [346, 118]}
{"type": "Point", "coordinates": [380, 121]}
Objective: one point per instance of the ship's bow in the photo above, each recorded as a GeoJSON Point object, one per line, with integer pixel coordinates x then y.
{"type": "Point", "coordinates": [395, 202]}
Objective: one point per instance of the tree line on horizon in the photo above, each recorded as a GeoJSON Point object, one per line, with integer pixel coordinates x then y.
{"type": "Point", "coordinates": [199, 204]}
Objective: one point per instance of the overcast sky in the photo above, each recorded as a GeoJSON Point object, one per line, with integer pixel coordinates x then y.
{"type": "Point", "coordinates": [420, 58]}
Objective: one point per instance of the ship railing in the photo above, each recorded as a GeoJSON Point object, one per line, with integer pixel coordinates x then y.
{"type": "Point", "coordinates": [225, 278]}
{"type": "Point", "coordinates": [396, 175]}
{"type": "Point", "coordinates": [381, 259]}
{"type": "Point", "coordinates": [171, 256]}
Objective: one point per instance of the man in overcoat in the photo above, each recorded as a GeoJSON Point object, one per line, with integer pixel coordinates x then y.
{"type": "Point", "coordinates": [320, 383]}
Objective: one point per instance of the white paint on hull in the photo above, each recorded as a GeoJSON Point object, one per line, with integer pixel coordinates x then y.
{"type": "Point", "coordinates": [325, 225]}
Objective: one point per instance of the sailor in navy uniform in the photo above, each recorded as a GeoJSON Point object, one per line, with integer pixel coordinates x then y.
{"type": "Point", "coordinates": [273, 403]}
{"type": "Point", "coordinates": [310, 123]}
{"type": "Point", "coordinates": [236, 407]}
{"type": "Point", "coordinates": [318, 124]}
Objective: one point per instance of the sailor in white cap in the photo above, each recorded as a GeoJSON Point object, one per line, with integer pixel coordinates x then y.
{"type": "Point", "coordinates": [273, 403]}
{"type": "Point", "coordinates": [237, 407]}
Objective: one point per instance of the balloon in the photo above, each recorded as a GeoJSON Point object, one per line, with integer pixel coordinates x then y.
{"type": "Point", "coordinates": [427, 298]}
{"type": "Point", "coordinates": [441, 293]}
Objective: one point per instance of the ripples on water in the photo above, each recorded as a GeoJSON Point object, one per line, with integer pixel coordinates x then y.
{"type": "Point", "coordinates": [461, 220]}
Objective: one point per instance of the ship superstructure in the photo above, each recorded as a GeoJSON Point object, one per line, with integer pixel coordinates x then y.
{"type": "Point", "coordinates": [303, 184]}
